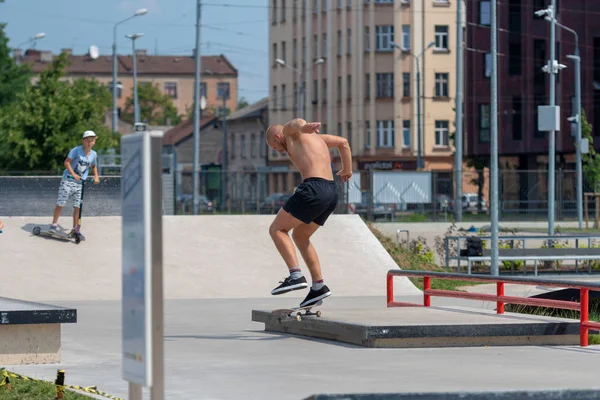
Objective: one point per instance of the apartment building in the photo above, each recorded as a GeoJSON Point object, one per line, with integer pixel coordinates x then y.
{"type": "Point", "coordinates": [173, 74]}
{"type": "Point", "coordinates": [351, 64]}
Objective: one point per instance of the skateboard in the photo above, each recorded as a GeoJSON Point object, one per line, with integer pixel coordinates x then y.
{"type": "Point", "coordinates": [297, 310]}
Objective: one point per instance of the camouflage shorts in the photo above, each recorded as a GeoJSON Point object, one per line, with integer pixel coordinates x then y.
{"type": "Point", "coordinates": [69, 189]}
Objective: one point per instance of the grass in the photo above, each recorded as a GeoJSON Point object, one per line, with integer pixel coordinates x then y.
{"type": "Point", "coordinates": [38, 390]}
{"type": "Point", "coordinates": [408, 260]}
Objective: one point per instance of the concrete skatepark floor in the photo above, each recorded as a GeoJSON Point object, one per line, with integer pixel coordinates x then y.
{"type": "Point", "coordinates": [217, 270]}
{"type": "Point", "coordinates": [214, 351]}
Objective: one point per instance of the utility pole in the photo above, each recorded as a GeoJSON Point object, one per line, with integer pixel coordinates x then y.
{"type": "Point", "coordinates": [494, 141]}
{"type": "Point", "coordinates": [419, 157]}
{"type": "Point", "coordinates": [458, 136]}
{"type": "Point", "coordinates": [552, 133]}
{"type": "Point", "coordinates": [197, 116]}
{"type": "Point", "coordinates": [224, 92]}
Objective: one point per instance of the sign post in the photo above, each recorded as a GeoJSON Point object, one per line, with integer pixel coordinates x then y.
{"type": "Point", "coordinates": [142, 263]}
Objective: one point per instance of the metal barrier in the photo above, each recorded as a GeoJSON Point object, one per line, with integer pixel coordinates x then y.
{"type": "Point", "coordinates": [535, 260]}
{"type": "Point", "coordinates": [398, 235]}
{"type": "Point", "coordinates": [582, 306]}
{"type": "Point", "coordinates": [512, 238]}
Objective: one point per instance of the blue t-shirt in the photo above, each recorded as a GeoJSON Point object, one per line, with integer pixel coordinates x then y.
{"type": "Point", "coordinates": [80, 162]}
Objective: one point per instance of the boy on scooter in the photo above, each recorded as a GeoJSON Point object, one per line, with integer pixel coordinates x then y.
{"type": "Point", "coordinates": [77, 166]}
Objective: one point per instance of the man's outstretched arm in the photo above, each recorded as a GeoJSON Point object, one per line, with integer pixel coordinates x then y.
{"type": "Point", "coordinates": [345, 154]}
{"type": "Point", "coordinates": [297, 126]}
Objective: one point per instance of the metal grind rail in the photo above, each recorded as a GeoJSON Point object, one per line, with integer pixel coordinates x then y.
{"type": "Point", "coordinates": [582, 305]}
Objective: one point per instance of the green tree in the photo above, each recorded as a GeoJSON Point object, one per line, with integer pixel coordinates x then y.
{"type": "Point", "coordinates": [14, 78]}
{"type": "Point", "coordinates": [242, 103]}
{"type": "Point", "coordinates": [591, 160]}
{"type": "Point", "coordinates": [49, 118]}
{"type": "Point", "coordinates": [156, 108]}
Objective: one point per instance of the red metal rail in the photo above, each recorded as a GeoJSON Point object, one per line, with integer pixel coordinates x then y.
{"type": "Point", "coordinates": [500, 299]}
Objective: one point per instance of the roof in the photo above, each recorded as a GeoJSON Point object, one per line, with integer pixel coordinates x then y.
{"type": "Point", "coordinates": [251, 111]}
{"type": "Point", "coordinates": [184, 129]}
{"type": "Point", "coordinates": [146, 64]}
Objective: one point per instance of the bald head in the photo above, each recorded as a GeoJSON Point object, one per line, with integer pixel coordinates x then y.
{"type": "Point", "coordinates": [275, 138]}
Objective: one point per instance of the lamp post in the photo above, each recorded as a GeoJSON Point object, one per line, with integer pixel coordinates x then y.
{"type": "Point", "coordinates": [33, 40]}
{"type": "Point", "coordinates": [136, 104]}
{"type": "Point", "coordinates": [419, 147]}
{"type": "Point", "coordinates": [300, 73]}
{"type": "Point", "coordinates": [577, 118]}
{"type": "Point", "coordinates": [115, 114]}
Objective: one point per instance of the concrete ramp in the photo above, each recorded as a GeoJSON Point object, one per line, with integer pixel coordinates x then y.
{"type": "Point", "coordinates": [208, 256]}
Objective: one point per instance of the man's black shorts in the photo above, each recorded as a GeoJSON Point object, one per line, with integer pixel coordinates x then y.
{"type": "Point", "coordinates": [313, 201]}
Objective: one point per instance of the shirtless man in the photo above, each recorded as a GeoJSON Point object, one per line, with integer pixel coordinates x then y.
{"type": "Point", "coordinates": [312, 203]}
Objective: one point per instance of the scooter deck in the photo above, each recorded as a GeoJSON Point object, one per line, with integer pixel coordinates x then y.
{"type": "Point", "coordinates": [60, 235]}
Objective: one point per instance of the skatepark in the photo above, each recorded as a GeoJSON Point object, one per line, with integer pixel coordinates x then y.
{"type": "Point", "coordinates": [218, 274]}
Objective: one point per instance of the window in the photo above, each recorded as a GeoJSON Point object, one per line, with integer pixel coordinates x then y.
{"type": "Point", "coordinates": [263, 145]}
{"type": "Point", "coordinates": [406, 37]}
{"type": "Point", "coordinates": [441, 133]}
{"type": "Point", "coordinates": [517, 121]}
{"type": "Point", "coordinates": [283, 97]}
{"type": "Point", "coordinates": [349, 86]}
{"type": "Point", "coordinates": [274, 16]}
{"type": "Point", "coordinates": [283, 52]}
{"type": "Point", "coordinates": [339, 43]}
{"type": "Point", "coordinates": [315, 91]}
{"type": "Point", "coordinates": [324, 94]}
{"type": "Point", "coordinates": [339, 88]}
{"type": "Point", "coordinates": [315, 6]}
{"type": "Point", "coordinates": [232, 146]}
{"type": "Point", "coordinates": [484, 123]}
{"type": "Point", "coordinates": [283, 9]}
{"type": "Point", "coordinates": [203, 89]}
{"type": "Point", "coordinates": [274, 52]}
{"type": "Point", "coordinates": [324, 50]}
{"type": "Point", "coordinates": [339, 129]}
{"type": "Point", "coordinates": [406, 84]}
{"type": "Point", "coordinates": [487, 62]}
{"type": "Point", "coordinates": [368, 85]}
{"type": "Point", "coordinates": [349, 42]}
{"type": "Point", "coordinates": [295, 10]}
{"type": "Point", "coordinates": [385, 133]}
{"type": "Point", "coordinates": [304, 51]}
{"type": "Point", "coordinates": [274, 96]}
{"type": "Point", "coordinates": [406, 133]}
{"type": "Point", "coordinates": [243, 149]}
{"type": "Point", "coordinates": [223, 90]}
{"type": "Point", "coordinates": [295, 52]}
{"type": "Point", "coordinates": [385, 84]}
{"type": "Point", "coordinates": [349, 132]}
{"type": "Point", "coordinates": [315, 46]}
{"type": "Point", "coordinates": [253, 145]}
{"type": "Point", "coordinates": [485, 12]}
{"type": "Point", "coordinates": [295, 99]}
{"type": "Point", "coordinates": [171, 89]}
{"type": "Point", "coordinates": [367, 43]}
{"type": "Point", "coordinates": [514, 55]}
{"type": "Point", "coordinates": [384, 36]}
{"type": "Point", "coordinates": [367, 134]}
{"type": "Point", "coordinates": [441, 37]}
{"type": "Point", "coordinates": [441, 84]}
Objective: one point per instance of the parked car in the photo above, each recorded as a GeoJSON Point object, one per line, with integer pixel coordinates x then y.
{"type": "Point", "coordinates": [469, 203]}
{"type": "Point", "coordinates": [205, 205]}
{"type": "Point", "coordinates": [274, 202]}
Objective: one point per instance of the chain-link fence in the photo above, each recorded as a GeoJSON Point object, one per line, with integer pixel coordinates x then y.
{"type": "Point", "coordinates": [410, 196]}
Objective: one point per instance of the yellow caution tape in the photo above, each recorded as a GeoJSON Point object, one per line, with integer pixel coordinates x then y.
{"type": "Point", "coordinates": [89, 389]}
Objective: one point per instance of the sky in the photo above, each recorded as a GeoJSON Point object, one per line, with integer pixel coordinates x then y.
{"type": "Point", "coordinates": [236, 28]}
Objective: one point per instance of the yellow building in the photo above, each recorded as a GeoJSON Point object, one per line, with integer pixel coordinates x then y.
{"type": "Point", "coordinates": [356, 60]}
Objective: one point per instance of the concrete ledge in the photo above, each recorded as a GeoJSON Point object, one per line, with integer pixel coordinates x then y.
{"type": "Point", "coordinates": [510, 395]}
{"type": "Point", "coordinates": [30, 333]}
{"type": "Point", "coordinates": [426, 327]}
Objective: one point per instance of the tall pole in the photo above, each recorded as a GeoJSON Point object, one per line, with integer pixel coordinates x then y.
{"type": "Point", "coordinates": [494, 142]}
{"type": "Point", "coordinates": [458, 136]}
{"type": "Point", "coordinates": [578, 143]}
{"type": "Point", "coordinates": [224, 152]}
{"type": "Point", "coordinates": [196, 161]}
{"type": "Point", "coordinates": [419, 158]}
{"type": "Point", "coordinates": [136, 104]}
{"type": "Point", "coordinates": [115, 113]}
{"type": "Point", "coordinates": [552, 138]}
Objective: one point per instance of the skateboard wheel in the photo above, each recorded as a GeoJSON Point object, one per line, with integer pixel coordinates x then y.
{"type": "Point", "coordinates": [77, 238]}
{"type": "Point", "coordinates": [37, 230]}
{"type": "Point", "coordinates": [318, 313]}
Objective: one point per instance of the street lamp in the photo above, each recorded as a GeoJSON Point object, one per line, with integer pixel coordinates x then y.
{"type": "Point", "coordinates": [136, 104]}
{"type": "Point", "coordinates": [576, 118]}
{"type": "Point", "coordinates": [419, 147]}
{"type": "Point", "coordinates": [138, 13]}
{"type": "Point", "coordinates": [300, 73]}
{"type": "Point", "coordinates": [33, 40]}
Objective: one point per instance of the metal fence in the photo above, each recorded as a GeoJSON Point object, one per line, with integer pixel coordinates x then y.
{"type": "Point", "coordinates": [377, 195]}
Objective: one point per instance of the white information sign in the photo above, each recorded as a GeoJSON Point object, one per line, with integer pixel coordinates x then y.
{"type": "Point", "coordinates": [136, 273]}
